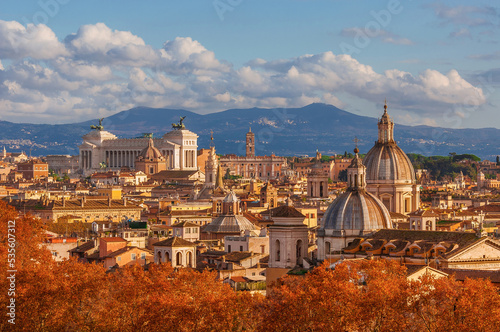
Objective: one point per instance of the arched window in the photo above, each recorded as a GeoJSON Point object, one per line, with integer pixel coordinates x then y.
{"type": "Point", "coordinates": [167, 257]}
{"type": "Point", "coordinates": [327, 248]}
{"type": "Point", "coordinates": [159, 257]}
{"type": "Point", "coordinates": [179, 259]}
{"type": "Point", "coordinates": [298, 249]}
{"type": "Point", "coordinates": [278, 251]}
{"type": "Point", "coordinates": [189, 258]}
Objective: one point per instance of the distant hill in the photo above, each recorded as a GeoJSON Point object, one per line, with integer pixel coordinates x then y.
{"type": "Point", "coordinates": [288, 132]}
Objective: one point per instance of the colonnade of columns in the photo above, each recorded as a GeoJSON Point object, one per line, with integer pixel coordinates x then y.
{"type": "Point", "coordinates": [126, 158]}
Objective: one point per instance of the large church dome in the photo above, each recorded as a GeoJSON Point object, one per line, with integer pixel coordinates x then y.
{"type": "Point", "coordinates": [356, 211]}
{"type": "Point", "coordinates": [386, 161]}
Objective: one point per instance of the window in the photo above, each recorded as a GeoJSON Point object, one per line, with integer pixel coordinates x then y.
{"type": "Point", "coordinates": [229, 248]}
{"type": "Point", "coordinates": [133, 256]}
{"type": "Point", "coordinates": [119, 258]}
{"type": "Point", "coordinates": [143, 255]}
{"type": "Point", "coordinates": [278, 252]}
{"type": "Point", "coordinates": [241, 248]}
{"type": "Point", "coordinates": [188, 231]}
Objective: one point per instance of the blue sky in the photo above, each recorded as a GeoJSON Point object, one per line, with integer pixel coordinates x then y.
{"type": "Point", "coordinates": [437, 63]}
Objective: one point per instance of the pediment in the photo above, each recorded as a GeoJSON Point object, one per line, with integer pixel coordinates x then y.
{"type": "Point", "coordinates": [87, 145]}
{"type": "Point", "coordinates": [486, 249]}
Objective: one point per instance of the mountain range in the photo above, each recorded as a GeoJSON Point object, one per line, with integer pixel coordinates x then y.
{"type": "Point", "coordinates": [282, 131]}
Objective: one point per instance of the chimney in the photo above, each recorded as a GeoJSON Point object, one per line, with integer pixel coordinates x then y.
{"type": "Point", "coordinates": [125, 202]}
{"type": "Point", "coordinates": [82, 202]}
{"type": "Point", "coordinates": [109, 201]}
{"type": "Point", "coordinates": [64, 201]}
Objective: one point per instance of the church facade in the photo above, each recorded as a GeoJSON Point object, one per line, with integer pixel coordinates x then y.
{"type": "Point", "coordinates": [103, 150]}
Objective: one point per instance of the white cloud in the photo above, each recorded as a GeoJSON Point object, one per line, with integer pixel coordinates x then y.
{"type": "Point", "coordinates": [185, 54]}
{"type": "Point", "coordinates": [97, 71]}
{"type": "Point", "coordinates": [99, 43]}
{"type": "Point", "coordinates": [35, 41]}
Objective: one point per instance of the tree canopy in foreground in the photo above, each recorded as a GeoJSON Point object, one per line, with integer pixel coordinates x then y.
{"type": "Point", "coordinates": [356, 296]}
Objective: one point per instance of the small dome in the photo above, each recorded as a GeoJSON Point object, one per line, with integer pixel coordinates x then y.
{"type": "Point", "coordinates": [356, 210]}
{"type": "Point", "coordinates": [150, 152]}
{"type": "Point", "coordinates": [386, 161]}
{"type": "Point", "coordinates": [229, 224]}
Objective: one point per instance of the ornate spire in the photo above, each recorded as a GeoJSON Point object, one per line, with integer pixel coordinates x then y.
{"type": "Point", "coordinates": [385, 127]}
{"type": "Point", "coordinates": [219, 183]}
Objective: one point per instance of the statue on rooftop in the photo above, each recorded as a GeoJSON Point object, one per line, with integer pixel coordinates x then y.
{"type": "Point", "coordinates": [99, 127]}
{"type": "Point", "coordinates": [179, 125]}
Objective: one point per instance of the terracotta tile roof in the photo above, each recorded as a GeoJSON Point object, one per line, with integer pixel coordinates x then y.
{"type": "Point", "coordinates": [185, 224]}
{"type": "Point", "coordinates": [411, 269]}
{"type": "Point", "coordinates": [461, 238]}
{"type": "Point", "coordinates": [239, 279]}
{"type": "Point", "coordinates": [124, 250]}
{"type": "Point", "coordinates": [424, 213]}
{"type": "Point", "coordinates": [174, 242]}
{"type": "Point", "coordinates": [95, 255]}
{"type": "Point", "coordinates": [494, 276]}
{"type": "Point", "coordinates": [89, 245]}
{"type": "Point", "coordinates": [113, 239]}
{"type": "Point", "coordinates": [487, 208]}
{"type": "Point", "coordinates": [284, 212]}
{"type": "Point", "coordinates": [237, 256]}
{"type": "Point", "coordinates": [395, 215]}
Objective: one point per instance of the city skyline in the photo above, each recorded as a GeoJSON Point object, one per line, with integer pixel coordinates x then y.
{"type": "Point", "coordinates": [436, 63]}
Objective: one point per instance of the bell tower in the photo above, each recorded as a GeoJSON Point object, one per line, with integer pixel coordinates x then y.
{"type": "Point", "coordinates": [250, 143]}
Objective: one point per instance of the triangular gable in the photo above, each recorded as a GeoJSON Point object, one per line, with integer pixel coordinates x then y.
{"type": "Point", "coordinates": [485, 249]}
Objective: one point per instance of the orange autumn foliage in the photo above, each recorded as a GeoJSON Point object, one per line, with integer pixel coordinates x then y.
{"type": "Point", "coordinates": [355, 296]}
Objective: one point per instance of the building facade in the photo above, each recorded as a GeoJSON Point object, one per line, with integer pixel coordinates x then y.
{"type": "Point", "coordinates": [102, 149]}
{"type": "Point", "coordinates": [33, 169]}
{"type": "Point", "coordinates": [251, 166]}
